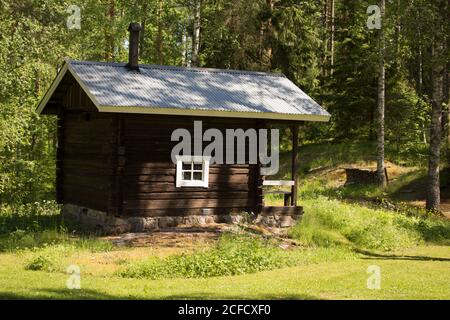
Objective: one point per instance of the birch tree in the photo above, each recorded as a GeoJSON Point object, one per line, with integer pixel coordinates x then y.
{"type": "Point", "coordinates": [437, 78]}
{"type": "Point", "coordinates": [381, 100]}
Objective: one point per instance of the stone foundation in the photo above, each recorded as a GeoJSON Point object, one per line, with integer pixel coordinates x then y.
{"type": "Point", "coordinates": [101, 222]}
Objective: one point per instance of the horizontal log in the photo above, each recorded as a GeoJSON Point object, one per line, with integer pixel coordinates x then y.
{"type": "Point", "coordinates": [72, 183]}
{"type": "Point", "coordinates": [186, 195]}
{"type": "Point", "coordinates": [88, 137]}
{"type": "Point", "coordinates": [100, 181]}
{"type": "Point", "coordinates": [142, 187]}
{"type": "Point", "coordinates": [71, 152]}
{"type": "Point", "coordinates": [282, 210]}
{"type": "Point", "coordinates": [87, 162]}
{"type": "Point", "coordinates": [86, 192]}
{"type": "Point", "coordinates": [98, 158]}
{"type": "Point", "coordinates": [86, 169]}
{"type": "Point", "coordinates": [172, 171]}
{"type": "Point", "coordinates": [213, 178]}
{"type": "Point", "coordinates": [183, 212]}
{"type": "Point", "coordinates": [187, 203]}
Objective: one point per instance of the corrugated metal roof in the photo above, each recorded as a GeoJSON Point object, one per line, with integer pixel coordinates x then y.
{"type": "Point", "coordinates": [114, 85]}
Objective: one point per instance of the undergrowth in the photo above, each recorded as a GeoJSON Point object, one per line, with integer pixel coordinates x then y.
{"type": "Point", "coordinates": [331, 222]}
{"type": "Point", "coordinates": [39, 224]}
{"type": "Point", "coordinates": [233, 255]}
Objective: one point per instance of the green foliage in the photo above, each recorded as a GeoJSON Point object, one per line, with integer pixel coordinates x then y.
{"type": "Point", "coordinates": [34, 217]}
{"type": "Point", "coordinates": [331, 222]}
{"type": "Point", "coordinates": [233, 255]}
{"type": "Point", "coordinates": [39, 225]}
{"type": "Point", "coordinates": [292, 37]}
{"type": "Point", "coordinates": [40, 263]}
{"type": "Point", "coordinates": [23, 240]}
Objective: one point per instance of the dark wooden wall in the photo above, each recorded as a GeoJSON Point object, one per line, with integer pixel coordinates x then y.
{"type": "Point", "coordinates": [148, 178]}
{"type": "Point", "coordinates": [121, 163]}
{"type": "Point", "coordinates": [85, 145]}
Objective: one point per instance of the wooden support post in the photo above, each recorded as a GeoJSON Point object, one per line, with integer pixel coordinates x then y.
{"type": "Point", "coordinates": [294, 130]}
{"type": "Point", "coordinates": [259, 197]}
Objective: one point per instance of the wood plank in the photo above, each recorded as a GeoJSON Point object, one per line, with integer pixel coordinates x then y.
{"type": "Point", "coordinates": [87, 179]}
{"type": "Point", "coordinates": [142, 187]}
{"type": "Point", "coordinates": [294, 169]}
{"type": "Point", "coordinates": [213, 178]}
{"type": "Point", "coordinates": [183, 212]}
{"type": "Point", "coordinates": [292, 211]}
{"type": "Point", "coordinates": [278, 183]}
{"type": "Point", "coordinates": [186, 195]}
{"type": "Point", "coordinates": [187, 203]}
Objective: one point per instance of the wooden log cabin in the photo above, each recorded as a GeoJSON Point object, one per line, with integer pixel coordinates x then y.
{"type": "Point", "coordinates": [115, 120]}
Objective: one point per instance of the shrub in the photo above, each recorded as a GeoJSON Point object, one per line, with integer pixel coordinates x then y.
{"type": "Point", "coordinates": [38, 224]}
{"type": "Point", "coordinates": [36, 216]}
{"type": "Point", "coordinates": [233, 255]}
{"type": "Point", "coordinates": [40, 263]}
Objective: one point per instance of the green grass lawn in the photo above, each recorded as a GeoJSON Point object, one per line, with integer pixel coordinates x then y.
{"type": "Point", "coordinates": [419, 273]}
{"type": "Point", "coordinates": [341, 234]}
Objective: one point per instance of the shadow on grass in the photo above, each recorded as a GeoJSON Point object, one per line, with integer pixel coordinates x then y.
{"type": "Point", "coordinates": [415, 190]}
{"type": "Point", "coordinates": [379, 256]}
{"type": "Point", "coordinates": [206, 296]}
{"type": "Point", "coordinates": [88, 294]}
{"type": "Point", "coordinates": [61, 294]}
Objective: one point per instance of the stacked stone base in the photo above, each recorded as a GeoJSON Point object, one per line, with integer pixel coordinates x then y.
{"type": "Point", "coordinates": [100, 222]}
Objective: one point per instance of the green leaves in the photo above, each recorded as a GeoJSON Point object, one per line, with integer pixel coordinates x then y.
{"type": "Point", "coordinates": [233, 255]}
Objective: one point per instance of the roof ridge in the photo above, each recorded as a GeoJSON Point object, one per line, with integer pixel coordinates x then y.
{"type": "Point", "coordinates": [180, 68]}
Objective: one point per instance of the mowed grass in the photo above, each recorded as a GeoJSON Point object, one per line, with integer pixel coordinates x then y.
{"type": "Point", "coordinates": [342, 233]}
{"type": "Point", "coordinates": [418, 273]}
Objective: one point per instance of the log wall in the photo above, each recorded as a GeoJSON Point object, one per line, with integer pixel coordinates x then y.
{"type": "Point", "coordinates": [149, 175]}
{"type": "Point", "coordinates": [85, 167]}
{"type": "Point", "coordinates": [121, 164]}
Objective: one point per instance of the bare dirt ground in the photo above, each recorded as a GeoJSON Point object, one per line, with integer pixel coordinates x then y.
{"type": "Point", "coordinates": [190, 238]}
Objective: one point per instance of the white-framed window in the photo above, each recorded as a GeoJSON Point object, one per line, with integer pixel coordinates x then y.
{"type": "Point", "coordinates": [192, 171]}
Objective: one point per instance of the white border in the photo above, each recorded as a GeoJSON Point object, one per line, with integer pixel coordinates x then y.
{"type": "Point", "coordinates": [191, 183]}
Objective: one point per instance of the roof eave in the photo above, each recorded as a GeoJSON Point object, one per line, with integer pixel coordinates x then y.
{"type": "Point", "coordinates": [215, 113]}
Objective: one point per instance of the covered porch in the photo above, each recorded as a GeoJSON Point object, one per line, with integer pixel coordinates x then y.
{"type": "Point", "coordinates": [289, 212]}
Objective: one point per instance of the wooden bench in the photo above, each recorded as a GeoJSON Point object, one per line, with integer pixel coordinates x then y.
{"type": "Point", "coordinates": [287, 195]}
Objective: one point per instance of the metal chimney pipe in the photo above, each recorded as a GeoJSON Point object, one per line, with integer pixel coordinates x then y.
{"type": "Point", "coordinates": [133, 47]}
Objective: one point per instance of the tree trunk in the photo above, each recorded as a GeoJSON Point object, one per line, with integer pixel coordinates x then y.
{"type": "Point", "coordinates": [184, 51]}
{"type": "Point", "coordinates": [437, 73]}
{"type": "Point", "coordinates": [196, 35]}
{"type": "Point", "coordinates": [381, 103]}
{"type": "Point", "coordinates": [332, 38]}
{"type": "Point", "coordinates": [142, 34]}
{"type": "Point", "coordinates": [324, 55]}
{"type": "Point", "coordinates": [266, 57]}
{"type": "Point", "coordinates": [159, 34]}
{"type": "Point", "coordinates": [109, 33]}
{"type": "Point", "coordinates": [446, 89]}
